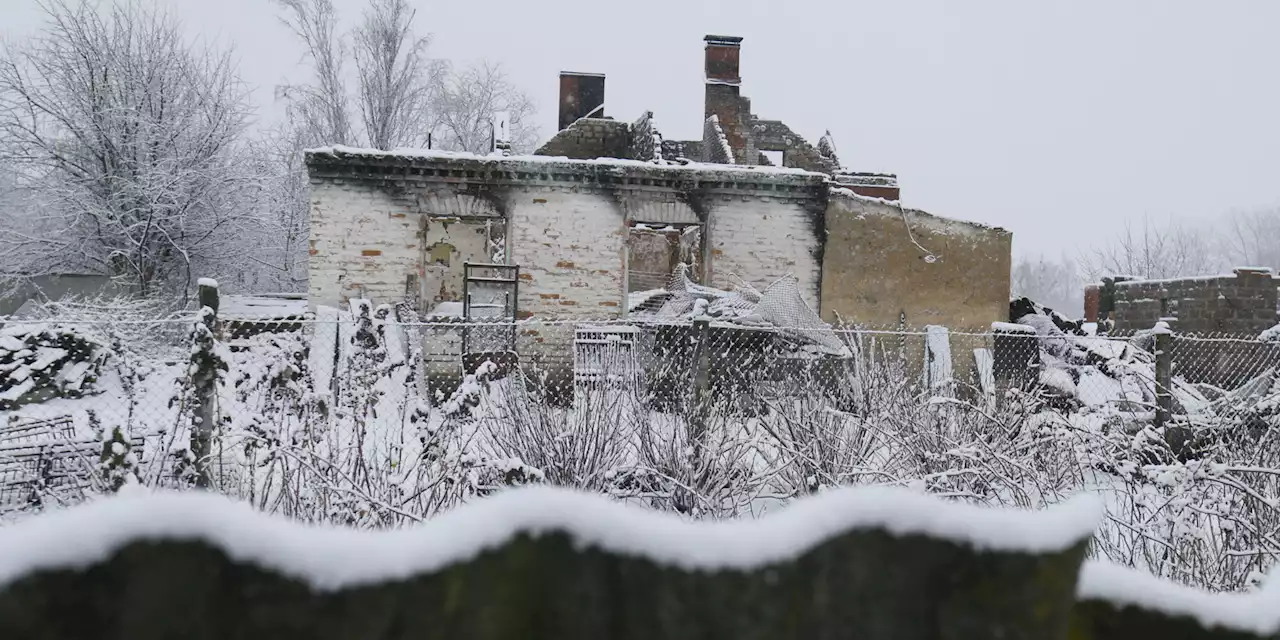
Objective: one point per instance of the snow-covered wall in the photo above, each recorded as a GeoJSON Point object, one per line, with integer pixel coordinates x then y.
{"type": "Point", "coordinates": [364, 243]}
{"type": "Point", "coordinates": [546, 563]}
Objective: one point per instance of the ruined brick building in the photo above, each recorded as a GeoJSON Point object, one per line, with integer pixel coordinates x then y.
{"type": "Point", "coordinates": [606, 208]}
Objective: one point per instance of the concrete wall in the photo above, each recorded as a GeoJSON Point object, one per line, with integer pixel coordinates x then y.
{"type": "Point", "coordinates": [872, 271]}
{"type": "Point", "coordinates": [1243, 303]}
{"type": "Point", "coordinates": [57, 287]}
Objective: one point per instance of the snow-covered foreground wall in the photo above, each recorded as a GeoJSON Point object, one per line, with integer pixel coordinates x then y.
{"type": "Point", "coordinates": [552, 563]}
{"type": "Point", "coordinates": [546, 563]}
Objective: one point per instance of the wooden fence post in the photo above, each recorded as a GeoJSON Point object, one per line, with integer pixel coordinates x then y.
{"type": "Point", "coordinates": [205, 382]}
{"type": "Point", "coordinates": [701, 379]}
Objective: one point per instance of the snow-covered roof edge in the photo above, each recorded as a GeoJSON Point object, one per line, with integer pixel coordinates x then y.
{"type": "Point", "coordinates": [896, 208]}
{"type": "Point", "coordinates": [535, 162]}
{"type": "Point", "coordinates": [1122, 586]}
{"type": "Point", "coordinates": [331, 557]}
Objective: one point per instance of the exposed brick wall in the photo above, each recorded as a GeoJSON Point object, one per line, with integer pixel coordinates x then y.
{"type": "Point", "coordinates": [590, 138]}
{"type": "Point", "coordinates": [1243, 303]}
{"type": "Point", "coordinates": [734, 114]}
{"type": "Point", "coordinates": [569, 245]}
{"type": "Point", "coordinates": [363, 239]}
{"type": "Point", "coordinates": [761, 239]}
{"type": "Point", "coordinates": [646, 141]}
{"type": "Point", "coordinates": [673, 150]}
{"type": "Point", "coordinates": [1092, 302]}
{"type": "Point", "coordinates": [715, 145]}
{"type": "Point", "coordinates": [773, 135]}
{"type": "Point", "coordinates": [581, 96]}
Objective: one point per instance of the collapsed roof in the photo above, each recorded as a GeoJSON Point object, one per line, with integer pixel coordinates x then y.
{"type": "Point", "coordinates": [779, 307]}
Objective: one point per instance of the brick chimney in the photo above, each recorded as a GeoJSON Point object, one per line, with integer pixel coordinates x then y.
{"type": "Point", "coordinates": [723, 99]}
{"type": "Point", "coordinates": [581, 95]}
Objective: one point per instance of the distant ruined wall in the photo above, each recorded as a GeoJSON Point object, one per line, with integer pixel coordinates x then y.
{"type": "Point", "coordinates": [773, 135]}
{"type": "Point", "coordinates": [1243, 303]}
{"type": "Point", "coordinates": [387, 227]}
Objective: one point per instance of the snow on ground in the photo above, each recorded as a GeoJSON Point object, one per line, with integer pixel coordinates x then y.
{"type": "Point", "coordinates": [262, 307]}
{"type": "Point", "coordinates": [330, 558]}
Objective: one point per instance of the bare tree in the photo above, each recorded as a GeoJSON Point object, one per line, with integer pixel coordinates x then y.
{"type": "Point", "coordinates": [465, 102]}
{"type": "Point", "coordinates": [394, 74]}
{"type": "Point", "coordinates": [322, 107]}
{"type": "Point", "coordinates": [128, 138]}
{"type": "Point", "coordinates": [405, 98]}
{"type": "Point", "coordinates": [1053, 284]}
{"type": "Point", "coordinates": [1252, 238]}
{"type": "Point", "coordinates": [279, 261]}
{"type": "Point", "coordinates": [1154, 252]}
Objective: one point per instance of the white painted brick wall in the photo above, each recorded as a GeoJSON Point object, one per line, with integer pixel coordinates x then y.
{"type": "Point", "coordinates": [762, 239]}
{"type": "Point", "coordinates": [360, 237]}
{"type": "Point", "coordinates": [569, 246]}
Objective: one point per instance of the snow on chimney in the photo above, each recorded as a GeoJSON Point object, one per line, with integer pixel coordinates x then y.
{"type": "Point", "coordinates": [581, 96]}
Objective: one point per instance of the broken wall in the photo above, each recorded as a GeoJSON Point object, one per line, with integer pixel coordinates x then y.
{"type": "Point", "coordinates": [885, 267]}
{"type": "Point", "coordinates": [391, 240]}
{"type": "Point", "coordinates": [883, 262]}
{"type": "Point", "coordinates": [773, 135]}
{"type": "Point", "coordinates": [590, 138]}
{"type": "Point", "coordinates": [1242, 303]}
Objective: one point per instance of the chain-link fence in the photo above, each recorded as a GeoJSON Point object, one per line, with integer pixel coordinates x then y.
{"type": "Point", "coordinates": [371, 417]}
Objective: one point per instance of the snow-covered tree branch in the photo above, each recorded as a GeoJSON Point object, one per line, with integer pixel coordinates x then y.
{"type": "Point", "coordinates": [465, 102]}
{"type": "Point", "coordinates": [1176, 249]}
{"type": "Point", "coordinates": [128, 136]}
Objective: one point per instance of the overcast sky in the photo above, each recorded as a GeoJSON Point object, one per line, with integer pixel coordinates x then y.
{"type": "Point", "coordinates": [1052, 119]}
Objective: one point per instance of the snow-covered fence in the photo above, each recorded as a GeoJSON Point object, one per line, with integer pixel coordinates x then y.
{"type": "Point", "coordinates": [541, 563]}
{"type": "Point", "coordinates": [349, 420]}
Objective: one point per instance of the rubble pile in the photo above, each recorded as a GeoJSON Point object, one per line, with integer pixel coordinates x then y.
{"type": "Point", "coordinates": [779, 307]}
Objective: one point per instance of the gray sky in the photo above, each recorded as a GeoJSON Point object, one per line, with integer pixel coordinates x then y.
{"type": "Point", "coordinates": [1051, 119]}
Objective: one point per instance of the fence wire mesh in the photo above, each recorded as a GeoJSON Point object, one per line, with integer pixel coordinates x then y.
{"type": "Point", "coordinates": [379, 419]}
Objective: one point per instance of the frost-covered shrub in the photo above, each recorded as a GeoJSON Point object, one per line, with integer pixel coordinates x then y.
{"type": "Point", "coordinates": [41, 361]}
{"type": "Point", "coordinates": [152, 327]}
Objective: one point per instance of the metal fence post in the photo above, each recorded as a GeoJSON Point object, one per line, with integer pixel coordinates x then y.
{"type": "Point", "coordinates": [1164, 373]}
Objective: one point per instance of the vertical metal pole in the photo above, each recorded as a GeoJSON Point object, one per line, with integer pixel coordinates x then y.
{"type": "Point", "coordinates": [1164, 374]}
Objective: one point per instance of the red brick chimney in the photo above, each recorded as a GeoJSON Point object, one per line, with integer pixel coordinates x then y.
{"type": "Point", "coordinates": [723, 98]}
{"type": "Point", "coordinates": [1092, 302]}
{"type": "Point", "coordinates": [723, 59]}
{"type": "Point", "coordinates": [581, 96]}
